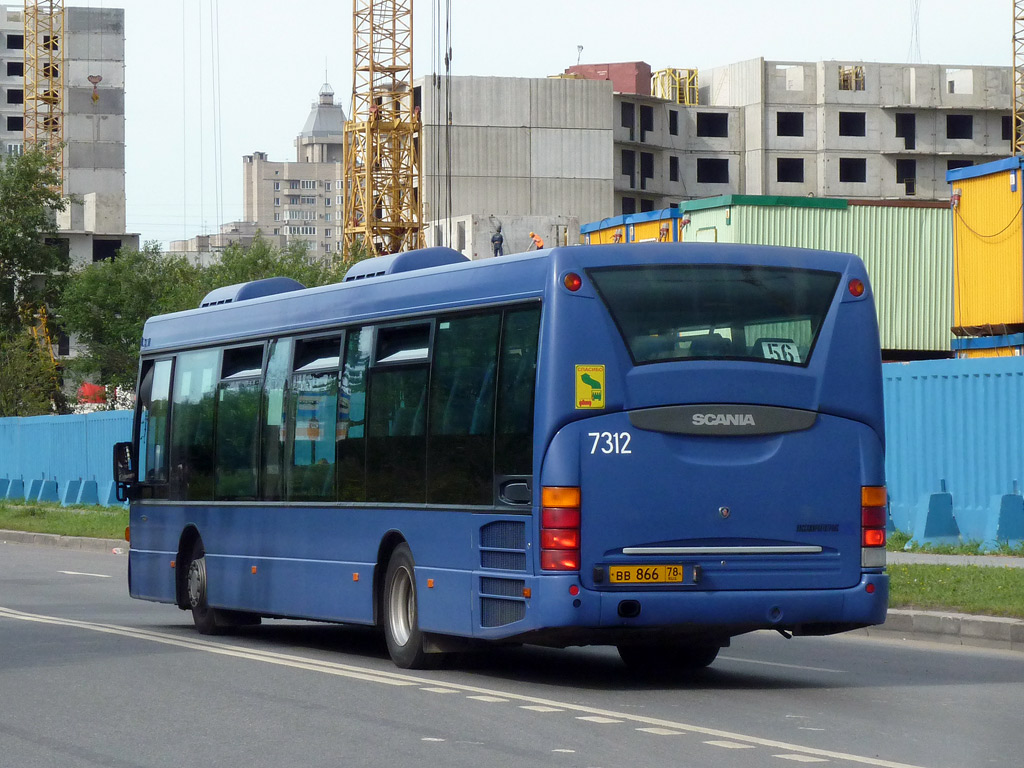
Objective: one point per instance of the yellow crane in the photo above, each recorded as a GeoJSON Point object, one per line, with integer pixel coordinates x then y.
{"type": "Point", "coordinates": [44, 78]}
{"type": "Point", "coordinates": [383, 210]}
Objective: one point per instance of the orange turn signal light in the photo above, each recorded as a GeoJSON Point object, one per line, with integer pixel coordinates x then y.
{"type": "Point", "coordinates": [872, 496]}
{"type": "Point", "coordinates": [560, 496]}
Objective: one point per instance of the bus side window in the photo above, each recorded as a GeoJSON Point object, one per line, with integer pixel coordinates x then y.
{"type": "Point", "coordinates": [396, 447]}
{"type": "Point", "coordinates": [517, 375]}
{"type": "Point", "coordinates": [351, 431]}
{"type": "Point", "coordinates": [460, 454]}
{"type": "Point", "coordinates": [238, 422]}
{"type": "Point", "coordinates": [275, 420]}
{"type": "Point", "coordinates": [154, 399]}
{"type": "Point", "coordinates": [312, 414]}
{"type": "Point", "coordinates": [195, 384]}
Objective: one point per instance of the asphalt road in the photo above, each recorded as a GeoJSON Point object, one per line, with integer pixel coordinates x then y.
{"type": "Point", "coordinates": [89, 677]}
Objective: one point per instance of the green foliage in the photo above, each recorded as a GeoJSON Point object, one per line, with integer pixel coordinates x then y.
{"type": "Point", "coordinates": [106, 304]}
{"type": "Point", "coordinates": [29, 195]}
{"type": "Point", "coordinates": [41, 517]}
{"type": "Point", "coordinates": [27, 383]}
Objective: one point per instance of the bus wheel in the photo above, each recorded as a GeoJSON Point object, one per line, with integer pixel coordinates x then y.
{"type": "Point", "coordinates": [668, 658]}
{"type": "Point", "coordinates": [207, 620]}
{"type": "Point", "coordinates": [401, 628]}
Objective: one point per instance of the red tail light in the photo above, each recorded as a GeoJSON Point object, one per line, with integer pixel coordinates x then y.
{"type": "Point", "coordinates": [560, 529]}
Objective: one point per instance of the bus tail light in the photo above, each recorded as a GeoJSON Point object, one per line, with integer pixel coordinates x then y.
{"type": "Point", "coordinates": [873, 518]}
{"type": "Point", "coordinates": [560, 528]}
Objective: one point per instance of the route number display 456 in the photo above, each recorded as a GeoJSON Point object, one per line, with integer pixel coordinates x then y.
{"type": "Point", "coordinates": [610, 442]}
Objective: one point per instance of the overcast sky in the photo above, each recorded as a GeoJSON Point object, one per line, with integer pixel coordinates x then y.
{"type": "Point", "coordinates": [273, 55]}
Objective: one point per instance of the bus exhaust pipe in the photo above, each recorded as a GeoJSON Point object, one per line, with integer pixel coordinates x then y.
{"type": "Point", "coordinates": [629, 609]}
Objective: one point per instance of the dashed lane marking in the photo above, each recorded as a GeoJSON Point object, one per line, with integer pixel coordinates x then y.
{"type": "Point", "coordinates": [802, 758]}
{"type": "Point", "coordinates": [435, 689]}
{"type": "Point", "coordinates": [661, 731]}
{"type": "Point", "coordinates": [598, 719]}
{"type": "Point", "coordinates": [540, 708]}
{"type": "Point", "coordinates": [400, 679]}
{"type": "Point", "coordinates": [79, 573]}
{"type": "Point", "coordinates": [492, 699]}
{"type": "Point", "coordinates": [729, 744]}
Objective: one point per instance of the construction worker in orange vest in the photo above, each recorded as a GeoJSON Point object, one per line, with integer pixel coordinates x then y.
{"type": "Point", "coordinates": [538, 242]}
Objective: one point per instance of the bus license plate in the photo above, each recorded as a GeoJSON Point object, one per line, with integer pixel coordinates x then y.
{"type": "Point", "coordinates": [646, 574]}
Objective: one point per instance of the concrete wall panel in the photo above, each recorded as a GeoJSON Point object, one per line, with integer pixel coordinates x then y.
{"type": "Point", "coordinates": [95, 155]}
{"type": "Point", "coordinates": [579, 154]}
{"type": "Point", "coordinates": [78, 127]}
{"type": "Point", "coordinates": [79, 100]}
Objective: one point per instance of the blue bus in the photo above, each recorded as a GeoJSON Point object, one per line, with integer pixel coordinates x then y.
{"type": "Point", "coordinates": [653, 446]}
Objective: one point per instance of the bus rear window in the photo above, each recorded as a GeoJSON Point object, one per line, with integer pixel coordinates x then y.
{"type": "Point", "coordinates": [720, 311]}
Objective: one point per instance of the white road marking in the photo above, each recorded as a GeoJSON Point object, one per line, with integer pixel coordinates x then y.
{"type": "Point", "coordinates": [495, 699]}
{"type": "Point", "coordinates": [540, 708]}
{"type": "Point", "coordinates": [430, 738]}
{"type": "Point", "coordinates": [598, 719]}
{"type": "Point", "coordinates": [802, 758]}
{"type": "Point", "coordinates": [79, 573]}
{"type": "Point", "coordinates": [566, 751]}
{"type": "Point", "coordinates": [661, 731]}
{"type": "Point", "coordinates": [780, 664]}
{"type": "Point", "coordinates": [434, 689]}
{"type": "Point", "coordinates": [808, 728]}
{"type": "Point", "coordinates": [400, 679]}
{"type": "Point", "coordinates": [729, 744]}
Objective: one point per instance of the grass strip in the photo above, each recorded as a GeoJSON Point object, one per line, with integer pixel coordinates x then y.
{"type": "Point", "coordinates": [961, 588]}
{"type": "Point", "coordinates": [94, 522]}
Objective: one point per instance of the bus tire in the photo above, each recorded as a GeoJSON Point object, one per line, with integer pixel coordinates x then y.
{"type": "Point", "coordinates": [401, 626]}
{"type": "Point", "coordinates": [667, 658]}
{"type": "Point", "coordinates": [208, 621]}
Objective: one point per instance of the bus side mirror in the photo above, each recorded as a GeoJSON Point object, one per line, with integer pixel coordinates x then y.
{"type": "Point", "coordinates": [125, 474]}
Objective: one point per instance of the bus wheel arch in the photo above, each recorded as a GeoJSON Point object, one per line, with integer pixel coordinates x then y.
{"type": "Point", "coordinates": [186, 545]}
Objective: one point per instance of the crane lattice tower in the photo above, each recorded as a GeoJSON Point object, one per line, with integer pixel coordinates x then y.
{"type": "Point", "coordinates": [44, 78]}
{"type": "Point", "coordinates": [382, 162]}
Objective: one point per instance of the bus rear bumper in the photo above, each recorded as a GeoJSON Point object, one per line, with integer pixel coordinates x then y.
{"type": "Point", "coordinates": [557, 617]}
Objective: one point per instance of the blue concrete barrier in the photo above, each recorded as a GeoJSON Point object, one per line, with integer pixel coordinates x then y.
{"type": "Point", "coordinates": [62, 450]}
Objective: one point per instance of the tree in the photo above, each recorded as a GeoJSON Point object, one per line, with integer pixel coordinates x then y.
{"type": "Point", "coordinates": [30, 193]}
{"type": "Point", "coordinates": [107, 303]}
{"type": "Point", "coordinates": [27, 382]}
{"type": "Point", "coordinates": [240, 264]}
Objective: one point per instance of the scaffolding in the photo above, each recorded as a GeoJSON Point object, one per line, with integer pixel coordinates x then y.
{"type": "Point", "coordinates": [1018, 78]}
{"type": "Point", "coordinates": [382, 169]}
{"type": "Point", "coordinates": [44, 79]}
{"type": "Point", "coordinates": [678, 85]}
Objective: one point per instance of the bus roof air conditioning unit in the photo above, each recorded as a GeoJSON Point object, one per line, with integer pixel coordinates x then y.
{"type": "Point", "coordinates": [407, 261]}
{"type": "Point", "coordinates": [229, 294]}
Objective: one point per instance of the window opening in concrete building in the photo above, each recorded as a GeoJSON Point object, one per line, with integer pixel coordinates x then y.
{"type": "Point", "coordinates": [789, 124]}
{"type": "Point", "coordinates": [906, 129]}
{"type": "Point", "coordinates": [959, 126]}
{"type": "Point", "coordinates": [628, 206]}
{"type": "Point", "coordinates": [712, 124]}
{"type": "Point", "coordinates": [646, 168]}
{"type": "Point", "coordinates": [959, 81]}
{"type": "Point", "coordinates": [852, 124]}
{"type": "Point", "coordinates": [15, 69]}
{"type": "Point", "coordinates": [629, 166]}
{"type": "Point", "coordinates": [15, 42]}
{"type": "Point", "coordinates": [673, 168]}
{"type": "Point", "coordinates": [712, 170]}
{"type": "Point", "coordinates": [906, 174]}
{"type": "Point", "coordinates": [853, 169]}
{"type": "Point", "coordinates": [673, 122]}
{"type": "Point", "coordinates": [277, 186]}
{"type": "Point", "coordinates": [952, 165]}
{"type": "Point", "coordinates": [794, 74]}
{"type": "Point", "coordinates": [15, 123]}
{"type": "Point", "coordinates": [16, 148]}
{"type": "Point", "coordinates": [646, 120]}
{"type": "Point", "coordinates": [1007, 127]}
{"type": "Point", "coordinates": [851, 78]}
{"type": "Point", "coordinates": [293, 184]}
{"type": "Point", "coordinates": [628, 117]}
{"type": "Point", "coordinates": [646, 205]}
{"type": "Point", "coordinates": [789, 170]}
{"type": "Point", "coordinates": [15, 96]}
{"type": "Point", "coordinates": [103, 250]}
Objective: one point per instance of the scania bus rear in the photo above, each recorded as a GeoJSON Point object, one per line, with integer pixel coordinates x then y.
{"type": "Point", "coordinates": [711, 448]}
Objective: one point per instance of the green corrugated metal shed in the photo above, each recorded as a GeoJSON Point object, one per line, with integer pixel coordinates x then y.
{"type": "Point", "coordinates": [905, 245]}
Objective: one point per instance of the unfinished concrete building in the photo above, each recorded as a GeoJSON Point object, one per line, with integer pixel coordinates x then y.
{"type": "Point", "coordinates": [856, 130]}
{"type": "Point", "coordinates": [94, 223]}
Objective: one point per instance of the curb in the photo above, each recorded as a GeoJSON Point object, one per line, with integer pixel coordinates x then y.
{"type": "Point", "coordinates": [952, 629]}
{"type": "Point", "coordinates": [81, 543]}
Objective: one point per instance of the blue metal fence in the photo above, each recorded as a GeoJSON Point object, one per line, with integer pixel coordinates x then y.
{"type": "Point", "coordinates": [62, 458]}
{"type": "Point", "coordinates": [955, 449]}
